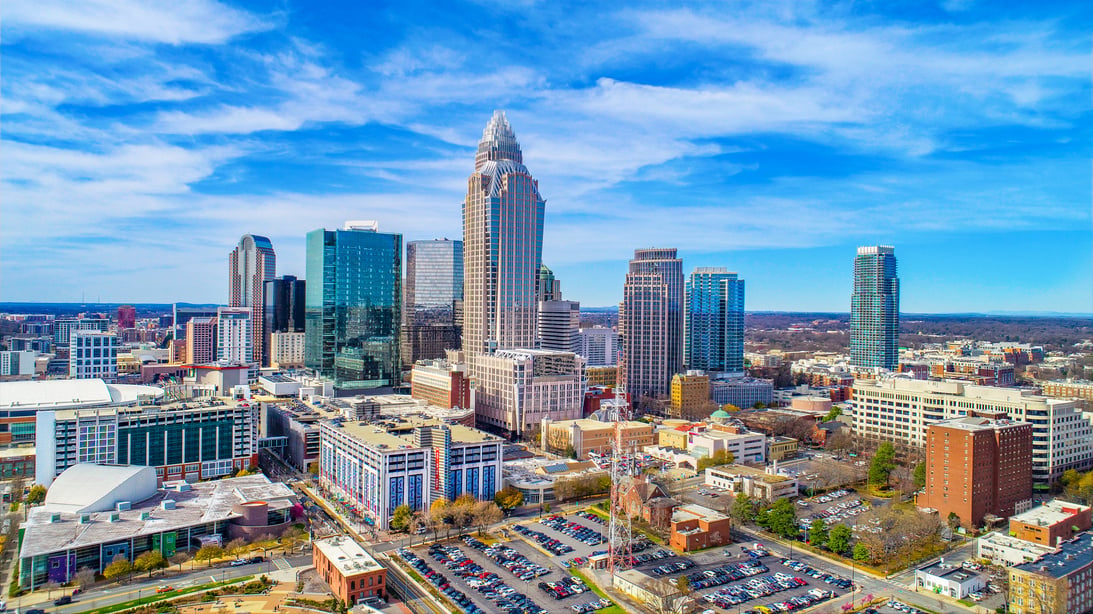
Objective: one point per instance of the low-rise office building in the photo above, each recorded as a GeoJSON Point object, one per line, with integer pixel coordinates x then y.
{"type": "Point", "coordinates": [352, 574]}
{"type": "Point", "coordinates": [442, 383]}
{"type": "Point", "coordinates": [94, 513]}
{"type": "Point", "coordinates": [1051, 523]}
{"type": "Point", "coordinates": [755, 483]}
{"type": "Point", "coordinates": [1057, 583]}
{"type": "Point", "coordinates": [695, 527]}
{"type": "Point", "coordinates": [743, 392]}
{"type": "Point", "coordinates": [781, 448]}
{"type": "Point", "coordinates": [1006, 551]}
{"type": "Point", "coordinates": [949, 580]}
{"type": "Point", "coordinates": [584, 436]}
{"type": "Point", "coordinates": [377, 468]}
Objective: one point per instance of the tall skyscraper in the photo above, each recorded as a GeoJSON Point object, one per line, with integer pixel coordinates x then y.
{"type": "Point", "coordinates": [651, 322]}
{"type": "Point", "coordinates": [284, 305]}
{"type": "Point", "coordinates": [250, 265]}
{"type": "Point", "coordinates": [434, 285]}
{"type": "Point", "coordinates": [235, 334]}
{"type": "Point", "coordinates": [714, 323]}
{"type": "Point", "coordinates": [874, 309]}
{"type": "Point", "coordinates": [550, 289]}
{"type": "Point", "coordinates": [502, 246]}
{"type": "Point", "coordinates": [354, 305]}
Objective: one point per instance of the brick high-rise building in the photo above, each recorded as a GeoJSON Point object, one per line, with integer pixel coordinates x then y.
{"type": "Point", "coordinates": [127, 317]}
{"type": "Point", "coordinates": [200, 340]}
{"type": "Point", "coordinates": [977, 466]}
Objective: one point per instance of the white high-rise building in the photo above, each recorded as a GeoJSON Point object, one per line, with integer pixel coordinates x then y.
{"type": "Point", "coordinates": [93, 354]}
{"type": "Point", "coordinates": [559, 325]}
{"type": "Point", "coordinates": [517, 389]}
{"type": "Point", "coordinates": [900, 410]}
{"type": "Point", "coordinates": [599, 346]}
{"type": "Point", "coordinates": [235, 335]}
{"type": "Point", "coordinates": [286, 349]}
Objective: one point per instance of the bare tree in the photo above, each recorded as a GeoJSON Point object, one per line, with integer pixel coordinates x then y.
{"type": "Point", "coordinates": [666, 597]}
{"type": "Point", "coordinates": [84, 578]}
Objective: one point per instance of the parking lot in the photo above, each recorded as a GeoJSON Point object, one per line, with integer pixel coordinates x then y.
{"type": "Point", "coordinates": [838, 507]}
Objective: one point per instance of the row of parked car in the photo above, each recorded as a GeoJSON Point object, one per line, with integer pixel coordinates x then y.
{"type": "Point", "coordinates": [575, 530]}
{"type": "Point", "coordinates": [670, 568]}
{"type": "Point", "coordinates": [832, 579]}
{"type": "Point", "coordinates": [552, 545]}
{"type": "Point", "coordinates": [591, 606]}
{"type": "Point", "coordinates": [566, 587]}
{"type": "Point", "coordinates": [492, 587]}
{"type": "Point", "coordinates": [437, 579]}
{"type": "Point", "coordinates": [519, 565]}
{"type": "Point", "coordinates": [800, 602]}
{"type": "Point", "coordinates": [726, 573]}
{"type": "Point", "coordinates": [591, 516]}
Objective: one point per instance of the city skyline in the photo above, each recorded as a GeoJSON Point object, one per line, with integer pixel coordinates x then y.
{"type": "Point", "coordinates": [771, 140]}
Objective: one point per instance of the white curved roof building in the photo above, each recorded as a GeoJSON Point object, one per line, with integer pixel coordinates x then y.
{"type": "Point", "coordinates": [73, 394]}
{"type": "Point", "coordinates": [87, 487]}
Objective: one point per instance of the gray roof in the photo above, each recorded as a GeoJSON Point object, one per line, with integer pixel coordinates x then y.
{"type": "Point", "coordinates": [203, 503]}
{"type": "Point", "coordinates": [1071, 555]}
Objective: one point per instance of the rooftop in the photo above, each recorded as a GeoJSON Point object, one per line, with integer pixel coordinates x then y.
{"type": "Point", "coordinates": [380, 435]}
{"type": "Point", "coordinates": [347, 555]}
{"type": "Point", "coordinates": [72, 393]}
{"type": "Point", "coordinates": [743, 470]}
{"type": "Point", "coordinates": [949, 572]}
{"type": "Point", "coordinates": [1050, 513]}
{"type": "Point", "coordinates": [975, 423]}
{"type": "Point", "coordinates": [48, 531]}
{"type": "Point", "coordinates": [696, 512]}
{"type": "Point", "coordinates": [1071, 555]}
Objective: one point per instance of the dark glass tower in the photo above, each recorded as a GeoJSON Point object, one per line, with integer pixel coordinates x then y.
{"type": "Point", "coordinates": [354, 306]}
{"type": "Point", "coordinates": [434, 286]}
{"type": "Point", "coordinates": [874, 309]}
{"type": "Point", "coordinates": [285, 305]}
{"type": "Point", "coordinates": [713, 337]}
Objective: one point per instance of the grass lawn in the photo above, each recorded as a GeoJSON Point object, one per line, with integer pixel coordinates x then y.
{"type": "Point", "coordinates": [611, 609]}
{"type": "Point", "coordinates": [653, 537]}
{"type": "Point", "coordinates": [125, 605]}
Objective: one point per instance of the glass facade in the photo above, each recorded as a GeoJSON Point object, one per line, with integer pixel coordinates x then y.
{"type": "Point", "coordinates": [284, 311]}
{"type": "Point", "coordinates": [874, 309]}
{"type": "Point", "coordinates": [434, 286]}
{"type": "Point", "coordinates": [354, 306]}
{"type": "Point", "coordinates": [713, 337]}
{"type": "Point", "coordinates": [503, 245]}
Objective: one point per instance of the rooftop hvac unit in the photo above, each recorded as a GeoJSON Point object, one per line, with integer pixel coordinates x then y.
{"type": "Point", "coordinates": [85, 518]}
{"type": "Point", "coordinates": [167, 504]}
{"type": "Point", "coordinates": [122, 506]}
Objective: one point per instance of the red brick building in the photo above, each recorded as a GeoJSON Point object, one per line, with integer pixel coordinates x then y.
{"type": "Point", "coordinates": [977, 466]}
{"type": "Point", "coordinates": [649, 501]}
{"type": "Point", "coordinates": [1052, 522]}
{"type": "Point", "coordinates": [695, 527]}
{"type": "Point", "coordinates": [352, 573]}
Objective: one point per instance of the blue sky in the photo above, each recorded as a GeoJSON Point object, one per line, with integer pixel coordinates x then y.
{"type": "Point", "coordinates": [141, 140]}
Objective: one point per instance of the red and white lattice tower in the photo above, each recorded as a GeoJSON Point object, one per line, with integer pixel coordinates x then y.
{"type": "Point", "coordinates": [619, 530]}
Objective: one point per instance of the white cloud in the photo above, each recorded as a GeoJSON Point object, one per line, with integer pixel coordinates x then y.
{"type": "Point", "coordinates": [192, 21]}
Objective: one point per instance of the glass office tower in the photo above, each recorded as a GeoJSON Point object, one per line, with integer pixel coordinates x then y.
{"type": "Point", "coordinates": [285, 305]}
{"type": "Point", "coordinates": [434, 285]}
{"type": "Point", "coordinates": [874, 309]}
{"type": "Point", "coordinates": [713, 338]}
{"type": "Point", "coordinates": [354, 306]}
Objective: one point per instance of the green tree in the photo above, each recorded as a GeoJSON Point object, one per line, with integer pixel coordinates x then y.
{"type": "Point", "coordinates": [209, 553]}
{"type": "Point", "coordinates": [117, 568]}
{"type": "Point", "coordinates": [861, 552]}
{"type": "Point", "coordinates": [920, 476]}
{"type": "Point", "coordinates": [834, 413]}
{"type": "Point", "coordinates": [884, 461]}
{"type": "Point", "coordinates": [721, 457]}
{"type": "Point", "coordinates": [683, 584]}
{"type": "Point", "coordinates": [36, 494]}
{"type": "Point", "coordinates": [743, 509]}
{"type": "Point", "coordinates": [817, 533]}
{"type": "Point", "coordinates": [509, 498]}
{"type": "Point", "coordinates": [758, 405]}
{"type": "Point", "coordinates": [838, 539]}
{"type": "Point", "coordinates": [783, 518]}
{"type": "Point", "coordinates": [400, 520]}
{"type": "Point", "coordinates": [150, 561]}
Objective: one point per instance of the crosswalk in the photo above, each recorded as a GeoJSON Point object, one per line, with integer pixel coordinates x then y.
{"type": "Point", "coordinates": [281, 564]}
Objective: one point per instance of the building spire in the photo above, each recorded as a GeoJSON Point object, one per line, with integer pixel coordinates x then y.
{"type": "Point", "coordinates": [498, 142]}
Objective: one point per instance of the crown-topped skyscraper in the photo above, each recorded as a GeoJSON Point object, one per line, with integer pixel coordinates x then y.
{"type": "Point", "coordinates": [502, 245]}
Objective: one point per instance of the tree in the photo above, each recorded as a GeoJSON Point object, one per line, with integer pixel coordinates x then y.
{"type": "Point", "coordinates": [783, 518]}
{"type": "Point", "coordinates": [834, 413]}
{"type": "Point", "coordinates": [817, 533]}
{"type": "Point", "coordinates": [861, 552]}
{"type": "Point", "coordinates": [51, 586]}
{"type": "Point", "coordinates": [665, 596]}
{"type": "Point", "coordinates": [209, 553]}
{"type": "Point", "coordinates": [758, 405]}
{"type": "Point", "coordinates": [743, 509]}
{"type": "Point", "coordinates": [84, 578]}
{"type": "Point", "coordinates": [509, 498]}
{"type": "Point", "coordinates": [36, 495]}
{"type": "Point", "coordinates": [684, 585]}
{"type": "Point", "coordinates": [838, 539]}
{"type": "Point", "coordinates": [179, 558]}
{"type": "Point", "coordinates": [400, 520]}
{"type": "Point", "coordinates": [236, 546]}
{"type": "Point", "coordinates": [117, 568]}
{"type": "Point", "coordinates": [721, 457]}
{"type": "Point", "coordinates": [486, 513]}
{"type": "Point", "coordinates": [920, 476]}
{"type": "Point", "coordinates": [841, 440]}
{"type": "Point", "coordinates": [884, 461]}
{"type": "Point", "coordinates": [150, 561]}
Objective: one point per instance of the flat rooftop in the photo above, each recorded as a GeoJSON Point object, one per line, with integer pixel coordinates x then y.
{"type": "Point", "coordinates": [696, 512]}
{"type": "Point", "coordinates": [1071, 555]}
{"type": "Point", "coordinates": [743, 470]}
{"type": "Point", "coordinates": [976, 423]}
{"type": "Point", "coordinates": [378, 434]}
{"type": "Point", "coordinates": [949, 572]}
{"type": "Point", "coordinates": [1050, 513]}
{"type": "Point", "coordinates": [347, 555]}
{"type": "Point", "coordinates": [72, 393]}
{"type": "Point", "coordinates": [48, 531]}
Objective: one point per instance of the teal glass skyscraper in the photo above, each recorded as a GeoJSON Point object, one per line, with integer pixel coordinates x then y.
{"type": "Point", "coordinates": [713, 326]}
{"type": "Point", "coordinates": [874, 309]}
{"type": "Point", "coordinates": [354, 306]}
